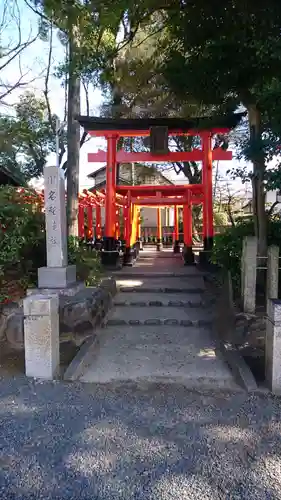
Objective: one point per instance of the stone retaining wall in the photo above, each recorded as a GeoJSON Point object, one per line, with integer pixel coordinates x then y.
{"type": "Point", "coordinates": [79, 315]}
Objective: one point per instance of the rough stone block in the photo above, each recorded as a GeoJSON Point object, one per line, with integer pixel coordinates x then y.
{"type": "Point", "coordinates": [41, 336]}
{"type": "Point", "coordinates": [272, 272]}
{"type": "Point", "coordinates": [79, 314]}
{"type": "Point", "coordinates": [249, 273]}
{"type": "Point", "coordinates": [186, 322]}
{"type": "Point", "coordinates": [273, 346]}
{"type": "Point", "coordinates": [40, 305]}
{"type": "Point", "coordinates": [171, 322]}
{"type": "Point", "coordinates": [134, 322]}
{"type": "Point", "coordinates": [152, 322]}
{"type": "Point", "coordinates": [116, 322]}
{"type": "Point", "coordinates": [68, 291]}
{"type": "Point", "coordinates": [56, 277]}
{"type": "Point", "coordinates": [15, 331]}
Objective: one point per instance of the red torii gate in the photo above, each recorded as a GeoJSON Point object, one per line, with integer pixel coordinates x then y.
{"type": "Point", "coordinates": [113, 129]}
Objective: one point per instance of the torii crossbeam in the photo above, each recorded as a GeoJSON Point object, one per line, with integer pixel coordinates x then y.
{"type": "Point", "coordinates": [134, 196]}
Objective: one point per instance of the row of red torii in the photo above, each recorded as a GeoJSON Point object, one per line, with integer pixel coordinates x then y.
{"type": "Point", "coordinates": [127, 200]}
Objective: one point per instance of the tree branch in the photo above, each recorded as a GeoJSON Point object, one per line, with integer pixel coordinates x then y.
{"type": "Point", "coordinates": [270, 211]}
{"type": "Point", "coordinates": [47, 78]}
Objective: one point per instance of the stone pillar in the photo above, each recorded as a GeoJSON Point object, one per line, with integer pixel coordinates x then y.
{"type": "Point", "coordinates": [249, 274]}
{"type": "Point", "coordinates": [41, 336]}
{"type": "Point", "coordinates": [272, 272]}
{"type": "Point", "coordinates": [273, 346]}
{"type": "Point", "coordinates": [57, 274]}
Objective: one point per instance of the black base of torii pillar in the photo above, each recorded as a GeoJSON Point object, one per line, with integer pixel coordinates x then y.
{"type": "Point", "coordinates": [110, 255]}
{"type": "Point", "coordinates": [188, 256]}
{"type": "Point", "coordinates": [205, 255]}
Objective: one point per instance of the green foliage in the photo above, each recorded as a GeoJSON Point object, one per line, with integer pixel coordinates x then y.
{"type": "Point", "coordinates": [92, 27]}
{"type": "Point", "coordinates": [231, 58]}
{"type": "Point", "coordinates": [87, 262]}
{"type": "Point", "coordinates": [27, 138]}
{"type": "Point", "coordinates": [22, 235]}
{"type": "Point", "coordinates": [227, 249]}
{"type": "Point", "coordinates": [23, 244]}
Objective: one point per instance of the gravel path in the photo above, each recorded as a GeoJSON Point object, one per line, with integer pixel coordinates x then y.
{"type": "Point", "coordinates": [64, 441]}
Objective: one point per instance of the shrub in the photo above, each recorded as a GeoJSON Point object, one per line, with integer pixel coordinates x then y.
{"type": "Point", "coordinates": [21, 228]}
{"type": "Point", "coordinates": [227, 251]}
{"type": "Point", "coordinates": [23, 242]}
{"type": "Point", "coordinates": [87, 262]}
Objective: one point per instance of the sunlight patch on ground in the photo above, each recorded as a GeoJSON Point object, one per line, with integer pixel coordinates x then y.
{"type": "Point", "coordinates": [130, 283]}
{"type": "Point", "coordinates": [183, 488]}
{"type": "Point", "coordinates": [145, 264]}
{"type": "Point", "coordinates": [232, 434]}
{"type": "Point", "coordinates": [110, 445]}
{"type": "Point", "coordinates": [12, 405]}
{"type": "Point", "coordinates": [206, 353]}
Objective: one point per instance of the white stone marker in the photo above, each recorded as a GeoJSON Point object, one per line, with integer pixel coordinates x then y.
{"type": "Point", "coordinates": [273, 346]}
{"type": "Point", "coordinates": [249, 274]}
{"type": "Point", "coordinates": [57, 274]}
{"type": "Point", "coordinates": [41, 336]}
{"type": "Point", "coordinates": [272, 272]}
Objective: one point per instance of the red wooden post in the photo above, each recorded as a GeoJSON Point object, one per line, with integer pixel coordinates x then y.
{"type": "Point", "coordinates": [81, 221]}
{"type": "Point", "coordinates": [90, 221]}
{"type": "Point", "coordinates": [128, 222]}
{"type": "Point", "coordinates": [176, 243]}
{"type": "Point", "coordinates": [110, 205]}
{"type": "Point", "coordinates": [98, 223]}
{"type": "Point", "coordinates": [125, 230]}
{"type": "Point", "coordinates": [110, 252]}
{"type": "Point", "coordinates": [128, 255]}
{"type": "Point", "coordinates": [117, 224]}
{"type": "Point", "coordinates": [208, 227]}
{"type": "Point", "coordinates": [159, 229]}
{"type": "Point", "coordinates": [187, 230]}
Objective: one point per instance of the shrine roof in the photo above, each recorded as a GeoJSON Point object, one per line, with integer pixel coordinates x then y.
{"type": "Point", "coordinates": [212, 123]}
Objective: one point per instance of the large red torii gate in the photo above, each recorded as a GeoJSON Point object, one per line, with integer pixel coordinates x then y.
{"type": "Point", "coordinates": [135, 196]}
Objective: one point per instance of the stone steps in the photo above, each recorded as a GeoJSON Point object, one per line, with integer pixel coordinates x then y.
{"type": "Point", "coordinates": [159, 354]}
{"type": "Point", "coordinates": [157, 303]}
{"type": "Point", "coordinates": [136, 289]}
{"type": "Point", "coordinates": [159, 322]}
{"type": "Point", "coordinates": [126, 299]}
{"type": "Point", "coordinates": [159, 329]}
{"type": "Point", "coordinates": [157, 315]}
{"type": "Point", "coordinates": [147, 274]}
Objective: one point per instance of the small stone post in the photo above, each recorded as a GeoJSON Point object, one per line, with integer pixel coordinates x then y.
{"type": "Point", "coordinates": [41, 336]}
{"type": "Point", "coordinates": [273, 346]}
{"type": "Point", "coordinates": [272, 272]}
{"type": "Point", "coordinates": [57, 274]}
{"type": "Point", "coordinates": [249, 274]}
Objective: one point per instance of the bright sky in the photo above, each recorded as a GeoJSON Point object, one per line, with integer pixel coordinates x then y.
{"type": "Point", "coordinates": [33, 62]}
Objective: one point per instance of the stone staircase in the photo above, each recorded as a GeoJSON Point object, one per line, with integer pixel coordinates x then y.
{"type": "Point", "coordinates": [160, 329]}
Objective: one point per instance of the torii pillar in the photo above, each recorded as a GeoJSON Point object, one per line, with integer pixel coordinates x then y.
{"type": "Point", "coordinates": [176, 242]}
{"type": "Point", "coordinates": [208, 225]}
{"type": "Point", "coordinates": [188, 255]}
{"type": "Point", "coordinates": [110, 253]}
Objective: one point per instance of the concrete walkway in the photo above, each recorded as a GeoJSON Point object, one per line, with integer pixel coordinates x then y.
{"type": "Point", "coordinates": [160, 329]}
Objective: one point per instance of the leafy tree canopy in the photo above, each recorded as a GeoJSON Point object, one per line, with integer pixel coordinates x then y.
{"type": "Point", "coordinates": [26, 138]}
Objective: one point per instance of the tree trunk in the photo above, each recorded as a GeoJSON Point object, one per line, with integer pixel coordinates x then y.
{"type": "Point", "coordinates": [73, 143]}
{"type": "Point", "coordinates": [260, 218]}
